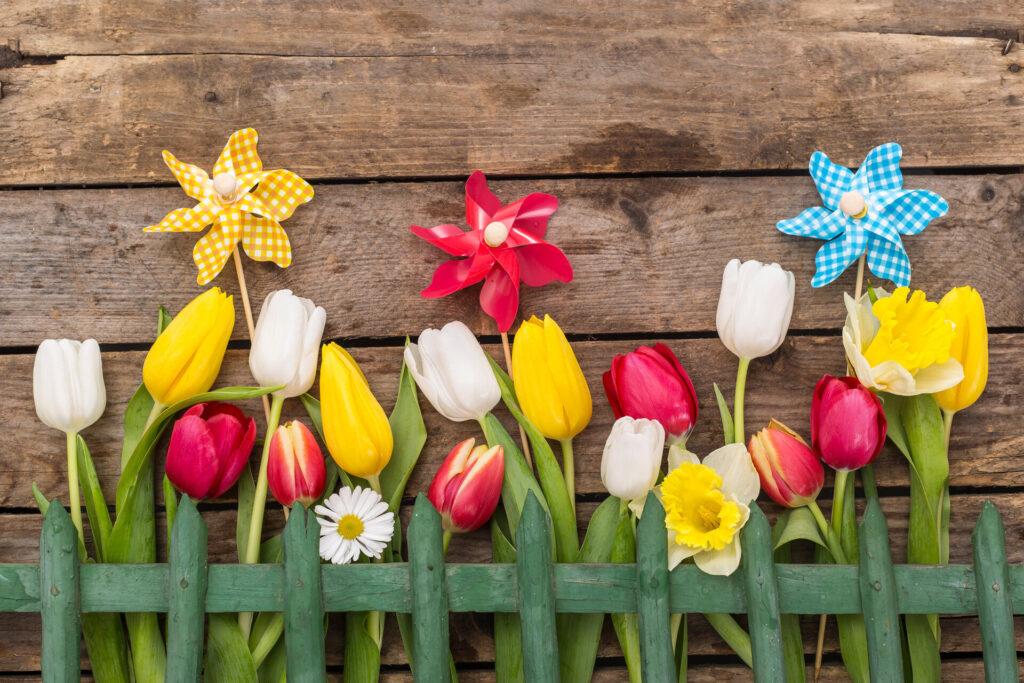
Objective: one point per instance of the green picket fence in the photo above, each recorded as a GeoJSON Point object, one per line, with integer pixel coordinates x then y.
{"type": "Point", "coordinates": [427, 588]}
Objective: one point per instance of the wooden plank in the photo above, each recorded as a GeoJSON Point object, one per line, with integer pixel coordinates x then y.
{"type": "Point", "coordinates": [186, 616]}
{"type": "Point", "coordinates": [762, 590]}
{"type": "Point", "coordinates": [652, 595]}
{"type": "Point", "coordinates": [677, 233]}
{"type": "Point", "coordinates": [58, 590]}
{"type": "Point", "coordinates": [669, 102]}
{"type": "Point", "coordinates": [986, 438]}
{"type": "Point", "coordinates": [878, 597]}
{"type": "Point", "coordinates": [307, 27]}
{"type": "Point", "coordinates": [994, 609]}
{"type": "Point", "coordinates": [429, 606]}
{"type": "Point", "coordinates": [536, 591]}
{"type": "Point", "coordinates": [304, 602]}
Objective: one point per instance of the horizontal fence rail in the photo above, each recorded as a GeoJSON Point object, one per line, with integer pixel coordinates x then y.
{"type": "Point", "coordinates": [535, 588]}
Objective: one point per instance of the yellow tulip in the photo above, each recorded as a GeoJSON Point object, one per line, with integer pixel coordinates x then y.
{"type": "Point", "coordinates": [963, 305]}
{"type": "Point", "coordinates": [185, 359]}
{"type": "Point", "coordinates": [356, 429]}
{"type": "Point", "coordinates": [550, 385]}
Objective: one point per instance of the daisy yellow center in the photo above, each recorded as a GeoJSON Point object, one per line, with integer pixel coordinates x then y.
{"type": "Point", "coordinates": [350, 527]}
{"type": "Point", "coordinates": [697, 509]}
{"type": "Point", "coordinates": [913, 331]}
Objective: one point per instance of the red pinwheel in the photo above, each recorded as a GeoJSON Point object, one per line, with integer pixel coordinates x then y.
{"type": "Point", "coordinates": [504, 245]}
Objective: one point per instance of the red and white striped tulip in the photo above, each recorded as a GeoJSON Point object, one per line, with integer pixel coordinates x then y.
{"type": "Point", "coordinates": [467, 487]}
{"type": "Point", "coordinates": [295, 468]}
{"type": "Point", "coordinates": [790, 471]}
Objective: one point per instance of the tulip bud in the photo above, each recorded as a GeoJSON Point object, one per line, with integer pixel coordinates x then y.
{"type": "Point", "coordinates": [650, 382]}
{"type": "Point", "coordinates": [452, 371]}
{"type": "Point", "coordinates": [964, 306]}
{"type": "Point", "coordinates": [295, 468]}
{"type": "Point", "coordinates": [286, 343]}
{"type": "Point", "coordinates": [185, 359]}
{"type": "Point", "coordinates": [67, 384]}
{"type": "Point", "coordinates": [210, 444]}
{"type": "Point", "coordinates": [755, 307]}
{"type": "Point", "coordinates": [467, 487]}
{"type": "Point", "coordinates": [789, 470]}
{"type": "Point", "coordinates": [847, 423]}
{"type": "Point", "coordinates": [356, 429]}
{"type": "Point", "coordinates": [550, 385]}
{"type": "Point", "coordinates": [632, 457]}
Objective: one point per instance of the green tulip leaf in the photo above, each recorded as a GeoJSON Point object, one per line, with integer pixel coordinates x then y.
{"type": "Point", "coordinates": [95, 504]}
{"type": "Point", "coordinates": [41, 502]}
{"type": "Point", "coordinates": [519, 479]}
{"type": "Point", "coordinates": [796, 525]}
{"type": "Point", "coordinates": [410, 435]}
{"type": "Point", "coordinates": [728, 428]}
{"type": "Point", "coordinates": [627, 625]}
{"type": "Point", "coordinates": [549, 473]}
{"type": "Point", "coordinates": [227, 654]}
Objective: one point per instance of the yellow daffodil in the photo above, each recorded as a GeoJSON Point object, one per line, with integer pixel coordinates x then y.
{"type": "Point", "coordinates": [706, 506]}
{"type": "Point", "coordinates": [245, 202]}
{"type": "Point", "coordinates": [356, 429]}
{"type": "Point", "coordinates": [964, 306]}
{"type": "Point", "coordinates": [550, 385]}
{"type": "Point", "coordinates": [185, 359]}
{"type": "Point", "coordinates": [901, 344]}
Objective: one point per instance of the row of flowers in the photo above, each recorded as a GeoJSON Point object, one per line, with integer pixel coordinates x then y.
{"type": "Point", "coordinates": [911, 365]}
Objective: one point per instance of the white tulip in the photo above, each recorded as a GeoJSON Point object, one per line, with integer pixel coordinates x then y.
{"type": "Point", "coordinates": [67, 383]}
{"type": "Point", "coordinates": [453, 372]}
{"type": "Point", "coordinates": [286, 344]}
{"type": "Point", "coordinates": [632, 457]}
{"type": "Point", "coordinates": [755, 307]}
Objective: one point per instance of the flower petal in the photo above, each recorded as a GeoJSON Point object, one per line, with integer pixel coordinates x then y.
{"type": "Point", "coordinates": [214, 248]}
{"type": "Point", "coordinates": [880, 170]}
{"type": "Point", "coordinates": [239, 155]}
{"type": "Point", "coordinates": [889, 260]}
{"type": "Point", "coordinates": [529, 216]}
{"type": "Point", "coordinates": [281, 192]}
{"type": "Point", "coordinates": [739, 476]}
{"type": "Point", "coordinates": [186, 219]}
{"type": "Point", "coordinates": [678, 552]}
{"type": "Point", "coordinates": [542, 263]}
{"type": "Point", "coordinates": [939, 377]}
{"type": "Point", "coordinates": [499, 297]}
{"type": "Point", "coordinates": [912, 210]}
{"type": "Point", "coordinates": [720, 562]}
{"type": "Point", "coordinates": [481, 203]}
{"type": "Point", "coordinates": [817, 222]}
{"type": "Point", "coordinates": [449, 238]}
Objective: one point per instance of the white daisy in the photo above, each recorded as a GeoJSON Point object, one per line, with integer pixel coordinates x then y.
{"type": "Point", "coordinates": [354, 523]}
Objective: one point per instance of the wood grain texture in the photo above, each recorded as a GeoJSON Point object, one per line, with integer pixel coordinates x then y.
{"type": "Point", "coordinates": [665, 102]}
{"type": "Point", "coordinates": [985, 448]}
{"type": "Point", "coordinates": [364, 28]}
{"type": "Point", "coordinates": [648, 255]}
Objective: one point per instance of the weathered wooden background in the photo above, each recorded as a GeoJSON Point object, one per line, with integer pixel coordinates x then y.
{"type": "Point", "coordinates": [675, 134]}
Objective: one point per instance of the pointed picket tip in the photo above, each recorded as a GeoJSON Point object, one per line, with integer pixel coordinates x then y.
{"type": "Point", "coordinates": [57, 520]}
{"type": "Point", "coordinates": [757, 526]}
{"type": "Point", "coordinates": [187, 515]}
{"type": "Point", "coordinates": [652, 521]}
{"type": "Point", "coordinates": [533, 512]}
{"type": "Point", "coordinates": [989, 516]}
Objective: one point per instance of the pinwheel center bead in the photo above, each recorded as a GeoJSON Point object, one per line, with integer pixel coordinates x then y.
{"type": "Point", "coordinates": [495, 234]}
{"type": "Point", "coordinates": [852, 203]}
{"type": "Point", "coordinates": [225, 185]}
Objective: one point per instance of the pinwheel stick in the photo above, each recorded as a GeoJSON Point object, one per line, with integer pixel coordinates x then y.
{"type": "Point", "coordinates": [508, 366]}
{"type": "Point", "coordinates": [248, 316]}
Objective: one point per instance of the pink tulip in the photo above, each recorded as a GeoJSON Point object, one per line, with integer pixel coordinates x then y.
{"type": "Point", "coordinates": [847, 423]}
{"type": "Point", "coordinates": [210, 444]}
{"type": "Point", "coordinates": [295, 469]}
{"type": "Point", "coordinates": [790, 471]}
{"type": "Point", "coordinates": [468, 486]}
{"type": "Point", "coordinates": [651, 383]}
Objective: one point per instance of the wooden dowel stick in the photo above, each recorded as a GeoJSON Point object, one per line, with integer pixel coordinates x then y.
{"type": "Point", "coordinates": [248, 315]}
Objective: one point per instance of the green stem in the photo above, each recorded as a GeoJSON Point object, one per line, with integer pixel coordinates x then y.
{"type": "Point", "coordinates": [947, 424]}
{"type": "Point", "coordinates": [867, 478]}
{"type": "Point", "coordinates": [839, 499]}
{"type": "Point", "coordinates": [569, 470]}
{"type": "Point", "coordinates": [154, 412]}
{"type": "Point", "coordinates": [74, 497]}
{"type": "Point", "coordinates": [733, 634]}
{"type": "Point", "coordinates": [737, 407]}
{"type": "Point", "coordinates": [259, 504]}
{"type": "Point", "coordinates": [374, 481]}
{"type": "Point", "coordinates": [445, 540]}
{"type": "Point", "coordinates": [831, 539]}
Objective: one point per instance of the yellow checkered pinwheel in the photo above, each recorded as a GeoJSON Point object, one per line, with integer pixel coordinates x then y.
{"type": "Point", "coordinates": [244, 201]}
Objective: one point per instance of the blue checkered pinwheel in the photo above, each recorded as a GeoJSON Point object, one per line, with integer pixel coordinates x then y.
{"type": "Point", "coordinates": [864, 211]}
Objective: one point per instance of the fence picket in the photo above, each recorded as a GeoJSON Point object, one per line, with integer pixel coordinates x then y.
{"type": "Point", "coordinates": [653, 593]}
{"type": "Point", "coordinates": [993, 585]}
{"type": "Point", "coordinates": [429, 598]}
{"type": "Point", "coordinates": [58, 596]}
{"type": "Point", "coordinates": [762, 598]}
{"type": "Point", "coordinates": [536, 578]}
{"type": "Point", "coordinates": [878, 597]}
{"type": "Point", "coordinates": [303, 598]}
{"type": "Point", "coordinates": [186, 613]}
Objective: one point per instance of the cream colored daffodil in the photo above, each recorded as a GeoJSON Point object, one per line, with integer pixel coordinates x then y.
{"type": "Point", "coordinates": [706, 506]}
{"type": "Point", "coordinates": [901, 343]}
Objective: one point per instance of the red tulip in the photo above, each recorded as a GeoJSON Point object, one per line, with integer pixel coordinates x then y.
{"type": "Point", "coordinates": [847, 423]}
{"type": "Point", "coordinates": [468, 486]}
{"type": "Point", "coordinates": [295, 468]}
{"type": "Point", "coordinates": [790, 471]}
{"type": "Point", "coordinates": [210, 444]}
{"type": "Point", "coordinates": [651, 383]}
